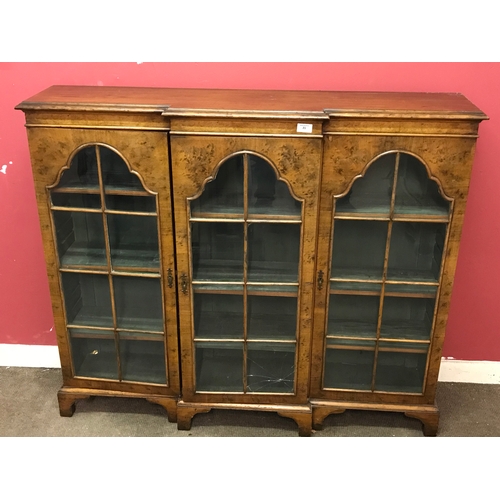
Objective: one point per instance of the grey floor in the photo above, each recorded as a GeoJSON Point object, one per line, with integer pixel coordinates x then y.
{"type": "Point", "coordinates": [28, 407]}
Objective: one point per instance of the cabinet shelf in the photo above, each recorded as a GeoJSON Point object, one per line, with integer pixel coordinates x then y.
{"type": "Point", "coordinates": [82, 257]}
{"type": "Point", "coordinates": [150, 336]}
{"type": "Point", "coordinates": [396, 217]}
{"type": "Point", "coordinates": [251, 219]}
{"type": "Point", "coordinates": [109, 190]}
{"type": "Point", "coordinates": [227, 272]}
{"type": "Point", "coordinates": [408, 291]}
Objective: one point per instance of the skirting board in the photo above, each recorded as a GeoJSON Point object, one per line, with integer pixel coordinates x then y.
{"type": "Point", "coordinates": [452, 370]}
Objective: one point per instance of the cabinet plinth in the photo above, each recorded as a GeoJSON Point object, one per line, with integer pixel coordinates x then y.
{"type": "Point", "coordinates": [274, 250]}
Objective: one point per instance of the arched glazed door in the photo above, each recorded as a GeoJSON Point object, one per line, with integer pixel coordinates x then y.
{"type": "Point", "coordinates": [388, 240]}
{"type": "Point", "coordinates": [245, 224]}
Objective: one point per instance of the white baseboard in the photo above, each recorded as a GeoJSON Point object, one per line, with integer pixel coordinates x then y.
{"type": "Point", "coordinates": [452, 370]}
{"type": "Point", "coordinates": [30, 356]}
{"type": "Point", "coordinates": [476, 372]}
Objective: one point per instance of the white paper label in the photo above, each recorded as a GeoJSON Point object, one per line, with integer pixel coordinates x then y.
{"type": "Point", "coordinates": [305, 128]}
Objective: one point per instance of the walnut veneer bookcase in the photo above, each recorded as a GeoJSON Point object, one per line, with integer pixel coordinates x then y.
{"type": "Point", "coordinates": [263, 250]}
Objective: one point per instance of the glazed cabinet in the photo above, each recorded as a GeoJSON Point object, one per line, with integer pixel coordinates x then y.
{"type": "Point", "coordinates": [291, 252]}
{"type": "Point", "coordinates": [106, 224]}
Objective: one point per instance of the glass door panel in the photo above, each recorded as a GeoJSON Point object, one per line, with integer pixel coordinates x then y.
{"type": "Point", "coordinates": [142, 360]}
{"type": "Point", "coordinates": [138, 303]}
{"type": "Point", "coordinates": [133, 241]}
{"type": "Point", "coordinates": [257, 247]}
{"type": "Point", "coordinates": [412, 235]}
{"type": "Point", "coordinates": [218, 316]}
{"type": "Point", "coordinates": [270, 367]}
{"type": "Point", "coordinates": [358, 249]}
{"type": "Point", "coordinates": [407, 318]}
{"type": "Point", "coordinates": [217, 251]}
{"type": "Point", "coordinates": [94, 355]}
{"type": "Point", "coordinates": [416, 251]}
{"type": "Point", "coordinates": [76, 200]}
{"type": "Point", "coordinates": [371, 194]}
{"type": "Point", "coordinates": [125, 203]}
{"type": "Point", "coordinates": [224, 194]}
{"type": "Point", "coordinates": [349, 364]}
{"type": "Point", "coordinates": [400, 371]}
{"type": "Point", "coordinates": [219, 366]}
{"type": "Point", "coordinates": [416, 193]}
{"type": "Point", "coordinates": [266, 194]}
{"type": "Point", "coordinates": [272, 317]}
{"type": "Point", "coordinates": [112, 227]}
{"type": "Point", "coordinates": [80, 239]}
{"type": "Point", "coordinates": [351, 315]}
{"type": "Point", "coordinates": [87, 299]}
{"type": "Point", "coordinates": [273, 252]}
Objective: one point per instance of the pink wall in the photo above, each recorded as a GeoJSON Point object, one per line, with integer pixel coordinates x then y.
{"type": "Point", "coordinates": [474, 321]}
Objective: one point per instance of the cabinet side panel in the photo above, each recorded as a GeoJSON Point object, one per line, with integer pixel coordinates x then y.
{"type": "Point", "coordinates": [48, 158]}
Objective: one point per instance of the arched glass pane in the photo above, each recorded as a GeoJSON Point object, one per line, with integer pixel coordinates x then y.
{"type": "Point", "coordinates": [416, 193]}
{"type": "Point", "coordinates": [372, 192]}
{"type": "Point", "coordinates": [224, 194]}
{"type": "Point", "coordinates": [82, 172]}
{"type": "Point", "coordinates": [266, 194]}
{"type": "Point", "coordinates": [115, 173]}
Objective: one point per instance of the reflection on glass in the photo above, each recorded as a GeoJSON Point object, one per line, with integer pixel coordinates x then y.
{"type": "Point", "coordinates": [272, 317]}
{"type": "Point", "coordinates": [219, 366]}
{"type": "Point", "coordinates": [416, 251]}
{"type": "Point", "coordinates": [76, 200]}
{"type": "Point", "coordinates": [217, 251]}
{"type": "Point", "coordinates": [407, 318]}
{"type": "Point", "coordinates": [143, 360]}
{"type": "Point", "coordinates": [372, 192]}
{"type": "Point", "coordinates": [416, 193]}
{"type": "Point", "coordinates": [138, 303]}
{"type": "Point", "coordinates": [94, 357]}
{"type": "Point", "coordinates": [218, 316]}
{"type": "Point", "coordinates": [349, 368]}
{"type": "Point", "coordinates": [400, 371]}
{"type": "Point", "coordinates": [80, 238]}
{"type": "Point", "coordinates": [273, 252]}
{"type": "Point", "coordinates": [115, 173]}
{"type": "Point", "coordinates": [224, 194]}
{"type": "Point", "coordinates": [267, 195]}
{"type": "Point", "coordinates": [87, 299]}
{"type": "Point", "coordinates": [125, 203]}
{"type": "Point", "coordinates": [353, 315]}
{"type": "Point", "coordinates": [82, 172]}
{"type": "Point", "coordinates": [133, 241]}
{"type": "Point", "coordinates": [359, 249]}
{"type": "Point", "coordinates": [270, 367]}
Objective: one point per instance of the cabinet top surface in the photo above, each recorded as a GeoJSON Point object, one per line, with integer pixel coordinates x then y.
{"type": "Point", "coordinates": [273, 103]}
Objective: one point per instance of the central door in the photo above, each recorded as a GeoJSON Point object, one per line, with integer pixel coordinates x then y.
{"type": "Point", "coordinates": [245, 218]}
